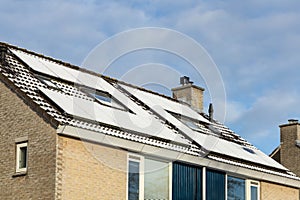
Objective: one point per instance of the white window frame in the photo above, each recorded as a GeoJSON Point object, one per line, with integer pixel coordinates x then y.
{"type": "Point", "coordinates": [140, 160]}
{"type": "Point", "coordinates": [18, 151]}
{"type": "Point", "coordinates": [170, 179]}
{"type": "Point", "coordinates": [226, 186]}
{"type": "Point", "coordinates": [250, 183]}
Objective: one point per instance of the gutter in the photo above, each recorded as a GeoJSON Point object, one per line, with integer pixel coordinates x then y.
{"type": "Point", "coordinates": [171, 155]}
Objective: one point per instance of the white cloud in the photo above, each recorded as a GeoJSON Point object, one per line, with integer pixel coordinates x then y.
{"type": "Point", "coordinates": [65, 29]}
{"type": "Point", "coordinates": [235, 110]}
{"type": "Point", "coordinates": [259, 123]}
{"type": "Point", "coordinates": [254, 43]}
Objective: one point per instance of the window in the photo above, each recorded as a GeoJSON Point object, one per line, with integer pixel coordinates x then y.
{"type": "Point", "coordinates": [249, 150]}
{"type": "Point", "coordinates": [156, 184]}
{"type": "Point", "coordinates": [187, 181]}
{"type": "Point", "coordinates": [21, 157]}
{"type": "Point", "coordinates": [215, 185]}
{"type": "Point", "coordinates": [135, 179]}
{"type": "Point", "coordinates": [104, 98]}
{"type": "Point", "coordinates": [147, 179]}
{"type": "Point", "coordinates": [241, 189]}
{"type": "Point", "coordinates": [252, 190]}
{"type": "Point", "coordinates": [236, 188]}
{"type": "Point", "coordinates": [47, 81]}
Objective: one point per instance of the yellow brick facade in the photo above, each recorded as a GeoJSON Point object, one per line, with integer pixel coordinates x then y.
{"type": "Point", "coordinates": [270, 191]}
{"type": "Point", "coordinates": [90, 171]}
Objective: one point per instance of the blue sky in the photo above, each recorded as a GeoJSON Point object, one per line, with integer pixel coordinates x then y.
{"type": "Point", "coordinates": [255, 45]}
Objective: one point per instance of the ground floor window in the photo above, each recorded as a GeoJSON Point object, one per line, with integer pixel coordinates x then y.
{"type": "Point", "coordinates": [156, 179]}
{"type": "Point", "coordinates": [152, 179]}
{"type": "Point", "coordinates": [186, 182]}
{"type": "Point", "coordinates": [215, 185]}
{"type": "Point", "coordinates": [241, 189]}
{"type": "Point", "coordinates": [253, 190]}
{"type": "Point", "coordinates": [236, 188]}
{"type": "Point", "coordinates": [148, 178]}
{"type": "Point", "coordinates": [133, 180]}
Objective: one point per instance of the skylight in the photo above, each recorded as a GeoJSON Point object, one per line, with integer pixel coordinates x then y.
{"type": "Point", "coordinates": [102, 97]}
{"type": "Point", "coordinates": [249, 150]}
{"type": "Point", "coordinates": [105, 98]}
{"type": "Point", "coordinates": [47, 81]}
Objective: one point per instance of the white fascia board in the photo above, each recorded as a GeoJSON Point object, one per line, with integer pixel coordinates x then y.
{"type": "Point", "coordinates": [169, 155]}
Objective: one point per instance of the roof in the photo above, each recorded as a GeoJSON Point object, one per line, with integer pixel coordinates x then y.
{"type": "Point", "coordinates": [276, 154]}
{"type": "Point", "coordinates": [73, 96]}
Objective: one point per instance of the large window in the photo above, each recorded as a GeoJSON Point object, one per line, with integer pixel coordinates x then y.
{"type": "Point", "coordinates": [236, 189]}
{"type": "Point", "coordinates": [215, 185]}
{"type": "Point", "coordinates": [148, 179]}
{"type": "Point", "coordinates": [241, 189]}
{"type": "Point", "coordinates": [154, 179]}
{"type": "Point", "coordinates": [156, 183]}
{"type": "Point", "coordinates": [21, 157]}
{"type": "Point", "coordinates": [187, 182]}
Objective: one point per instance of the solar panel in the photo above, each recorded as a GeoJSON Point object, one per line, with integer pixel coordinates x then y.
{"type": "Point", "coordinates": [57, 70]}
{"type": "Point", "coordinates": [142, 123]}
{"type": "Point", "coordinates": [209, 142]}
{"type": "Point", "coordinates": [153, 100]}
{"type": "Point", "coordinates": [34, 63]}
{"type": "Point", "coordinates": [225, 147]}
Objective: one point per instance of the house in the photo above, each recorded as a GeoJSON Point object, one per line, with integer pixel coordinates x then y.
{"type": "Point", "coordinates": [287, 153]}
{"type": "Point", "coordinates": [69, 133]}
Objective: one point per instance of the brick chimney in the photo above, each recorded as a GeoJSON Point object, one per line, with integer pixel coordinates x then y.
{"type": "Point", "coordinates": [290, 145]}
{"type": "Point", "coordinates": [189, 93]}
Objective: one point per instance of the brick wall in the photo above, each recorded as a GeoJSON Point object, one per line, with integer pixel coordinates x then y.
{"type": "Point", "coordinates": [289, 153]}
{"type": "Point", "coordinates": [90, 171]}
{"type": "Point", "coordinates": [18, 120]}
{"type": "Point", "coordinates": [270, 191]}
{"type": "Point", "coordinates": [191, 94]}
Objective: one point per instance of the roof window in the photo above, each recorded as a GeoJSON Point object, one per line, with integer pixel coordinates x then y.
{"type": "Point", "coordinates": [104, 98]}
{"type": "Point", "coordinates": [249, 150]}
{"type": "Point", "coordinates": [48, 82]}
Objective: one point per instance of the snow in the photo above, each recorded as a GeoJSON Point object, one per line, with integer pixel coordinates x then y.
{"type": "Point", "coordinates": [145, 124]}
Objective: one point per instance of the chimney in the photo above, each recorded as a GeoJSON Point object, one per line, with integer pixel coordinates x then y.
{"type": "Point", "coordinates": [290, 132]}
{"type": "Point", "coordinates": [189, 93]}
{"type": "Point", "coordinates": [211, 112]}
{"type": "Point", "coordinates": [289, 145]}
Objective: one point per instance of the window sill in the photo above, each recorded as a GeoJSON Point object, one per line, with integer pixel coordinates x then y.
{"type": "Point", "coordinates": [16, 174]}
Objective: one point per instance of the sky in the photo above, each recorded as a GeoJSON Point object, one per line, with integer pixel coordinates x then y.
{"type": "Point", "coordinates": [255, 45]}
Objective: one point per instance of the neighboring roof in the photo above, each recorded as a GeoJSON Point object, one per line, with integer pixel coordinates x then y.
{"type": "Point", "coordinates": [66, 94]}
{"type": "Point", "coordinates": [276, 154]}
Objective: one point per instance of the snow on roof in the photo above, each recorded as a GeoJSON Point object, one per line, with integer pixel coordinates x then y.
{"type": "Point", "coordinates": [148, 118]}
{"type": "Point", "coordinates": [211, 143]}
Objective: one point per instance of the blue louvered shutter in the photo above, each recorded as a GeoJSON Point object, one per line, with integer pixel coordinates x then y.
{"type": "Point", "coordinates": [215, 185]}
{"type": "Point", "coordinates": [187, 182]}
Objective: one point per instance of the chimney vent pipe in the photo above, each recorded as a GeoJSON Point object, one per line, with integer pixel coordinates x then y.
{"type": "Point", "coordinates": [293, 121]}
{"type": "Point", "coordinates": [211, 112]}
